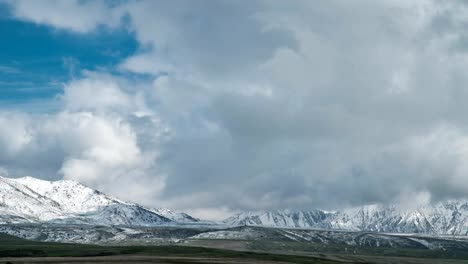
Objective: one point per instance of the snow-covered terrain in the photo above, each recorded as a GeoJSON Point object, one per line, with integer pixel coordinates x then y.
{"type": "Point", "coordinates": [175, 216]}
{"type": "Point", "coordinates": [449, 217]}
{"type": "Point", "coordinates": [31, 200]}
{"type": "Point", "coordinates": [84, 234]}
{"type": "Point", "coordinates": [176, 234]}
{"type": "Point", "coordinates": [285, 218]}
{"type": "Point", "coordinates": [360, 239]}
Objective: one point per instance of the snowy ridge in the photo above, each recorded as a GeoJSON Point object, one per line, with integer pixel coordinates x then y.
{"type": "Point", "coordinates": [175, 216]}
{"type": "Point", "coordinates": [31, 200]}
{"type": "Point", "coordinates": [72, 196]}
{"type": "Point", "coordinates": [285, 218]}
{"type": "Point", "coordinates": [444, 218]}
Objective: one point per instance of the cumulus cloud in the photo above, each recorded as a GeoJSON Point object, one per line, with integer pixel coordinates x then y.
{"type": "Point", "coordinates": [102, 151]}
{"type": "Point", "coordinates": [97, 91]}
{"type": "Point", "coordinates": [266, 105]}
{"type": "Point", "coordinates": [78, 16]}
{"type": "Point", "coordinates": [14, 133]}
{"type": "Point", "coordinates": [99, 138]}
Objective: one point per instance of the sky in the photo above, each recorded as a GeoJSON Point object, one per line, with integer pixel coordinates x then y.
{"type": "Point", "coordinates": [216, 106]}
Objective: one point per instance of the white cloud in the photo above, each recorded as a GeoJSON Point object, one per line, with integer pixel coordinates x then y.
{"type": "Point", "coordinates": [444, 153]}
{"type": "Point", "coordinates": [94, 92]}
{"type": "Point", "coordinates": [14, 133]}
{"type": "Point", "coordinates": [103, 151]}
{"type": "Point", "coordinates": [97, 139]}
{"type": "Point", "coordinates": [213, 214]}
{"type": "Point", "coordinates": [147, 63]}
{"type": "Point", "coordinates": [274, 105]}
{"type": "Point", "coordinates": [105, 139]}
{"type": "Point", "coordinates": [75, 15]}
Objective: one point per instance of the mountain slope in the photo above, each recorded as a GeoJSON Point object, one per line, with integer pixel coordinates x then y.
{"type": "Point", "coordinates": [18, 203]}
{"type": "Point", "coordinates": [286, 218]}
{"type": "Point", "coordinates": [72, 196]}
{"type": "Point", "coordinates": [175, 216]}
{"type": "Point", "coordinates": [31, 200]}
{"type": "Point", "coordinates": [449, 217]}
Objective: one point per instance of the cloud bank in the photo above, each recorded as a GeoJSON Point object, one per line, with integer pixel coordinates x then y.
{"type": "Point", "coordinates": [261, 106]}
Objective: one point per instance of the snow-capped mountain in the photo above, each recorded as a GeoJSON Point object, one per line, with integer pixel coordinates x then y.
{"type": "Point", "coordinates": [31, 200]}
{"type": "Point", "coordinates": [450, 217]}
{"type": "Point", "coordinates": [285, 218]}
{"type": "Point", "coordinates": [175, 216]}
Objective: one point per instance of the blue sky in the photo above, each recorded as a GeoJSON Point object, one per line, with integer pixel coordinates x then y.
{"type": "Point", "coordinates": [36, 60]}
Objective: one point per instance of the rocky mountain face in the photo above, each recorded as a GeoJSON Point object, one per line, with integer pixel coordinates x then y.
{"type": "Point", "coordinates": [449, 217]}
{"type": "Point", "coordinates": [31, 200]}
{"type": "Point", "coordinates": [285, 218]}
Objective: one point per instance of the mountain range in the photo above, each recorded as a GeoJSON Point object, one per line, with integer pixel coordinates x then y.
{"type": "Point", "coordinates": [31, 200]}
{"type": "Point", "coordinates": [443, 218]}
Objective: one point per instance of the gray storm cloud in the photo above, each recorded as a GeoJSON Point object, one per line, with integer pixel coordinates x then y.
{"type": "Point", "coordinates": [259, 106]}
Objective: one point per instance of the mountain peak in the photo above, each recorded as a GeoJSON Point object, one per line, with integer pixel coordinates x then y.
{"type": "Point", "coordinates": [28, 199]}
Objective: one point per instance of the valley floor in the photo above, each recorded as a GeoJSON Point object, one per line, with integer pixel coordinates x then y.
{"type": "Point", "coordinates": [229, 245]}
{"type": "Point", "coordinates": [136, 259]}
{"type": "Point", "coordinates": [317, 259]}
